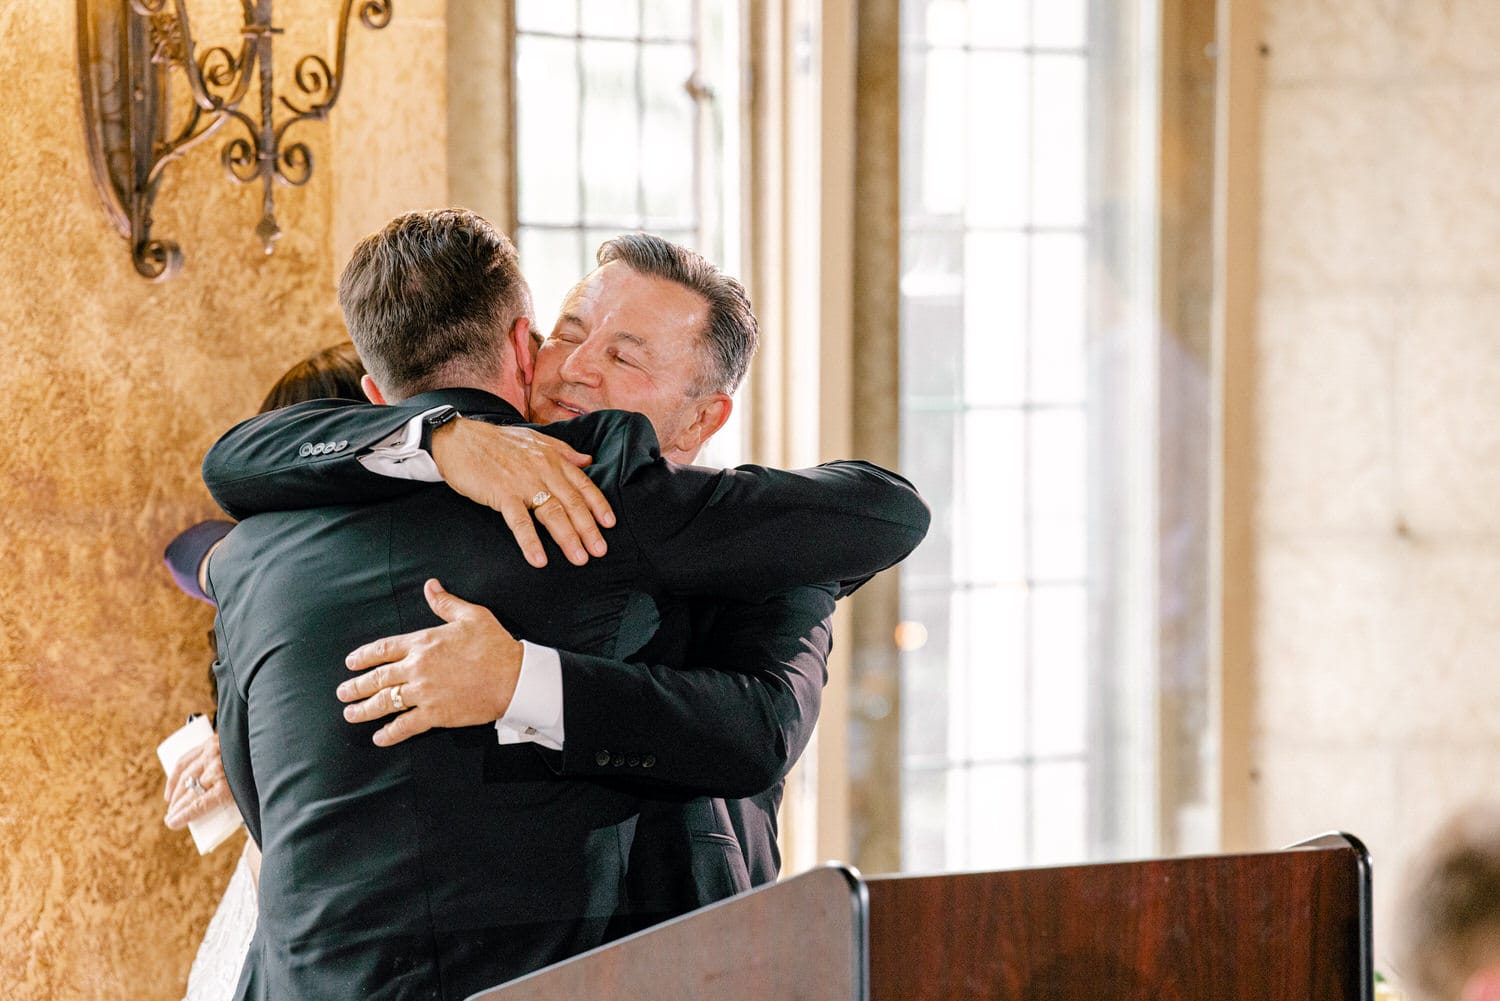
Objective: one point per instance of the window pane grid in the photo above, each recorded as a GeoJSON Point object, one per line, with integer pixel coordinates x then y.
{"type": "Point", "coordinates": [948, 226]}
{"type": "Point", "coordinates": [919, 765]}
{"type": "Point", "coordinates": [613, 225]}
{"type": "Point", "coordinates": [583, 36]}
{"type": "Point", "coordinates": [918, 49]}
{"type": "Point", "coordinates": [947, 585]}
{"type": "Point", "coordinates": [941, 405]}
{"type": "Point", "coordinates": [983, 214]}
{"type": "Point", "coordinates": [609, 133]}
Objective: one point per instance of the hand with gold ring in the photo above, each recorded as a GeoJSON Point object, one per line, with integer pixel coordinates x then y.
{"type": "Point", "coordinates": [526, 475]}
{"type": "Point", "coordinates": [461, 673]}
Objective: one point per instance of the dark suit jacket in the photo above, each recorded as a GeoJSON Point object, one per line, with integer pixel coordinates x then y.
{"type": "Point", "coordinates": [692, 850]}
{"type": "Point", "coordinates": [449, 863]}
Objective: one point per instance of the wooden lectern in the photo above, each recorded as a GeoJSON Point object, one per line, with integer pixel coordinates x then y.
{"type": "Point", "coordinates": [1292, 925]}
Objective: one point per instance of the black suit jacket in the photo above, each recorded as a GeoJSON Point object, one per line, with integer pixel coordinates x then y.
{"type": "Point", "coordinates": [692, 850]}
{"type": "Point", "coordinates": [450, 863]}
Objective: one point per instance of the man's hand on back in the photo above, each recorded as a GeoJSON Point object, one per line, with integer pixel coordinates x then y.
{"type": "Point", "coordinates": [462, 673]}
{"type": "Point", "coordinates": [509, 469]}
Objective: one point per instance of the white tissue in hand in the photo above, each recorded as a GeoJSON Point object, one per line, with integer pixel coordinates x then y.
{"type": "Point", "coordinates": [214, 827]}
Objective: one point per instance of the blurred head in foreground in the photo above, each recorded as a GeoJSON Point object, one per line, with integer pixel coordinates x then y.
{"type": "Point", "coordinates": [1448, 924]}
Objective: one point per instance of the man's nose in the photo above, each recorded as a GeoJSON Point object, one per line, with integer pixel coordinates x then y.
{"type": "Point", "coordinates": [582, 365]}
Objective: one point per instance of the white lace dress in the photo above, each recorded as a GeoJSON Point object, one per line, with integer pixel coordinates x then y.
{"type": "Point", "coordinates": [216, 968]}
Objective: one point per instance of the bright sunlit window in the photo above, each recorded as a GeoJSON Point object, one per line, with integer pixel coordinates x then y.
{"type": "Point", "coordinates": [620, 125]}
{"type": "Point", "coordinates": [1026, 292]}
{"type": "Point", "coordinates": [627, 118]}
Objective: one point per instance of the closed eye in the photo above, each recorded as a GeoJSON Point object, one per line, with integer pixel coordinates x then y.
{"type": "Point", "coordinates": [638, 350]}
{"type": "Point", "coordinates": [569, 329]}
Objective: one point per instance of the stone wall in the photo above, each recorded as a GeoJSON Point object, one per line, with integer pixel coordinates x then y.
{"type": "Point", "coordinates": [1378, 512]}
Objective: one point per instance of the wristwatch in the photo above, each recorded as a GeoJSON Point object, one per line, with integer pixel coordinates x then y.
{"type": "Point", "coordinates": [432, 422]}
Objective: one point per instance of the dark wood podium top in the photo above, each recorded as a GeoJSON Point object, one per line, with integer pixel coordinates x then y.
{"type": "Point", "coordinates": [1290, 925]}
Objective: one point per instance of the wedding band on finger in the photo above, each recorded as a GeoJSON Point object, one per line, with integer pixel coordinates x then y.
{"type": "Point", "coordinates": [539, 498]}
{"type": "Point", "coordinates": [396, 698]}
{"type": "Point", "coordinates": [195, 785]}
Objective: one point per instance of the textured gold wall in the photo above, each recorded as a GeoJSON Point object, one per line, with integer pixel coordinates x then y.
{"type": "Point", "coordinates": [112, 389]}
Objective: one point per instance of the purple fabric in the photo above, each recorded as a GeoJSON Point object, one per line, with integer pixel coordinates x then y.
{"type": "Point", "coordinates": [186, 552]}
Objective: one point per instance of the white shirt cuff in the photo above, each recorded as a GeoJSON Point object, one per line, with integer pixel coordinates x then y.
{"type": "Point", "coordinates": [401, 456]}
{"type": "Point", "coordinates": [536, 709]}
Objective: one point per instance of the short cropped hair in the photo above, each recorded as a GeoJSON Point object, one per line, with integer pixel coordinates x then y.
{"type": "Point", "coordinates": [1449, 921]}
{"type": "Point", "coordinates": [430, 296]}
{"type": "Point", "coordinates": [731, 334]}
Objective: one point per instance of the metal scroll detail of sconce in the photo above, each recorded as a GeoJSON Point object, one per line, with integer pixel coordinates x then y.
{"type": "Point", "coordinates": [128, 51]}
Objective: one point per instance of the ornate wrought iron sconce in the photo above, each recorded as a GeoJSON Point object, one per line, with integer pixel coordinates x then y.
{"type": "Point", "coordinates": [128, 51]}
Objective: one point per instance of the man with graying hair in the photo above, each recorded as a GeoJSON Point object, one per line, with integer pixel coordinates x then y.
{"type": "Point", "coordinates": [1448, 923]}
{"type": "Point", "coordinates": [434, 862]}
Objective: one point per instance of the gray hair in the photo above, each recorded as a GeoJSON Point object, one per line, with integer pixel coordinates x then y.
{"type": "Point", "coordinates": [730, 336]}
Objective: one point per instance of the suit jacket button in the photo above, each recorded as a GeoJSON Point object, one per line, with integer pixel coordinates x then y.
{"type": "Point", "coordinates": [648, 761]}
{"type": "Point", "coordinates": [633, 760]}
{"type": "Point", "coordinates": [305, 450]}
{"type": "Point", "coordinates": [341, 446]}
{"type": "Point", "coordinates": [602, 758]}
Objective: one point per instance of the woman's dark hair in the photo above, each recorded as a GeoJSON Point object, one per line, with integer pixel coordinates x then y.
{"type": "Point", "coordinates": [332, 373]}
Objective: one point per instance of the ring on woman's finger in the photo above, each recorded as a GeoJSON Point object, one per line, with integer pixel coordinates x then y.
{"type": "Point", "coordinates": [539, 498]}
{"type": "Point", "coordinates": [396, 698]}
{"type": "Point", "coordinates": [195, 785]}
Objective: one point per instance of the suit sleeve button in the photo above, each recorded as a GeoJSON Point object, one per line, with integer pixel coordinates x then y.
{"type": "Point", "coordinates": [305, 450]}
{"type": "Point", "coordinates": [633, 761]}
{"type": "Point", "coordinates": [619, 759]}
{"type": "Point", "coordinates": [648, 761]}
{"type": "Point", "coordinates": [601, 759]}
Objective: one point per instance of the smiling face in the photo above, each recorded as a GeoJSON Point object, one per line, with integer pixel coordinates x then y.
{"type": "Point", "coordinates": [628, 341]}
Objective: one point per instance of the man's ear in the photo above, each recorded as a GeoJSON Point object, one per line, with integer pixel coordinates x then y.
{"type": "Point", "coordinates": [524, 348]}
{"type": "Point", "coordinates": [710, 414]}
{"type": "Point", "coordinates": [372, 391]}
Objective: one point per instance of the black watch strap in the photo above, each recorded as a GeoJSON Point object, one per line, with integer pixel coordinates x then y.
{"type": "Point", "coordinates": [432, 422]}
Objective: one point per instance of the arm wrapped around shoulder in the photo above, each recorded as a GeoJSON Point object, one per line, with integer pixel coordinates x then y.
{"type": "Point", "coordinates": [304, 456]}
{"type": "Point", "coordinates": [898, 514]}
{"type": "Point", "coordinates": [750, 531]}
